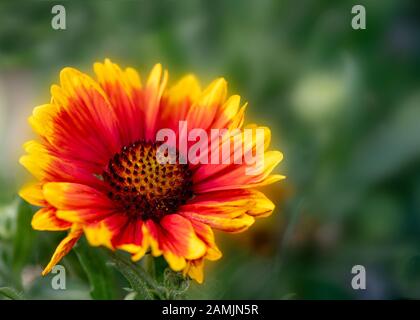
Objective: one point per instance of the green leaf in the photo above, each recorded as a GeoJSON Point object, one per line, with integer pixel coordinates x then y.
{"type": "Point", "coordinates": [101, 277]}
{"type": "Point", "coordinates": [24, 237]}
{"type": "Point", "coordinates": [11, 293]}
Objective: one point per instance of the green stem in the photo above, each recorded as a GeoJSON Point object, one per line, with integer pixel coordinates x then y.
{"type": "Point", "coordinates": [150, 265]}
{"type": "Point", "coordinates": [139, 279]}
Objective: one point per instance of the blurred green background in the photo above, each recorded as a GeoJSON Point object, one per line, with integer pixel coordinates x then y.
{"type": "Point", "coordinates": [343, 106]}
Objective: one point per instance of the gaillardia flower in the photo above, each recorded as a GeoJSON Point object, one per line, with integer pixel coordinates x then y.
{"type": "Point", "coordinates": [97, 171]}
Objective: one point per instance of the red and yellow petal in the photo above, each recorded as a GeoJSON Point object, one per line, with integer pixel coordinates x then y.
{"type": "Point", "coordinates": [32, 193]}
{"type": "Point", "coordinates": [42, 119]}
{"type": "Point", "coordinates": [44, 165]}
{"type": "Point", "coordinates": [63, 248]}
{"type": "Point", "coordinates": [83, 125]}
{"type": "Point", "coordinates": [117, 231]}
{"type": "Point", "coordinates": [46, 219]}
{"type": "Point", "coordinates": [85, 215]}
{"type": "Point", "coordinates": [38, 161]}
{"type": "Point", "coordinates": [226, 220]}
{"type": "Point", "coordinates": [250, 201]}
{"type": "Point", "coordinates": [205, 233]}
{"type": "Point", "coordinates": [194, 269]}
{"type": "Point", "coordinates": [178, 100]}
{"type": "Point", "coordinates": [69, 196]}
{"type": "Point", "coordinates": [239, 145]}
{"type": "Point", "coordinates": [98, 234]}
{"type": "Point", "coordinates": [237, 178]}
{"type": "Point", "coordinates": [188, 87]}
{"type": "Point", "coordinates": [123, 89]}
{"type": "Point", "coordinates": [229, 211]}
{"type": "Point", "coordinates": [78, 203]}
{"type": "Point", "coordinates": [101, 233]}
{"type": "Point", "coordinates": [152, 94]}
{"type": "Point", "coordinates": [202, 113]}
{"type": "Point", "coordinates": [132, 238]}
{"type": "Point", "coordinates": [176, 239]}
{"type": "Point", "coordinates": [230, 114]}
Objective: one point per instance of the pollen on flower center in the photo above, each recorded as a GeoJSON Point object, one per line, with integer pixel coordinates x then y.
{"type": "Point", "coordinates": [143, 187]}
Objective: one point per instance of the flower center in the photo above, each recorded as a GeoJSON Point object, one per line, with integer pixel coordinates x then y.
{"type": "Point", "coordinates": [143, 187]}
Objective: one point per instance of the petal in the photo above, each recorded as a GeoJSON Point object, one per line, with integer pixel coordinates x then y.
{"type": "Point", "coordinates": [181, 236]}
{"type": "Point", "coordinates": [229, 211]}
{"type": "Point", "coordinates": [229, 114]}
{"type": "Point", "coordinates": [177, 240]}
{"type": "Point", "coordinates": [152, 230]}
{"type": "Point", "coordinates": [42, 118]}
{"type": "Point", "coordinates": [176, 262]}
{"type": "Point", "coordinates": [205, 233]}
{"type": "Point", "coordinates": [194, 269]}
{"type": "Point", "coordinates": [46, 166]}
{"type": "Point", "coordinates": [85, 215]}
{"type": "Point", "coordinates": [38, 161]}
{"type": "Point", "coordinates": [202, 113]}
{"type": "Point", "coordinates": [83, 125]}
{"type": "Point", "coordinates": [117, 231]}
{"type": "Point", "coordinates": [70, 196]}
{"type": "Point", "coordinates": [236, 177]}
{"type": "Point", "coordinates": [238, 144]}
{"type": "Point", "coordinates": [153, 92]}
{"type": "Point", "coordinates": [222, 220]}
{"type": "Point", "coordinates": [32, 193]}
{"type": "Point", "coordinates": [187, 87]}
{"type": "Point", "coordinates": [63, 248]}
{"type": "Point", "coordinates": [46, 219]}
{"type": "Point", "coordinates": [223, 212]}
{"type": "Point", "coordinates": [132, 239]}
{"type": "Point", "coordinates": [178, 100]}
{"type": "Point", "coordinates": [238, 120]}
{"type": "Point", "coordinates": [123, 89]}
{"type": "Point", "coordinates": [102, 232]}
{"type": "Point", "coordinates": [249, 201]}
{"type": "Point", "coordinates": [109, 72]}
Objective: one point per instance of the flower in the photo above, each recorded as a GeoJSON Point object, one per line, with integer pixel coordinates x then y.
{"type": "Point", "coordinates": [97, 174]}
